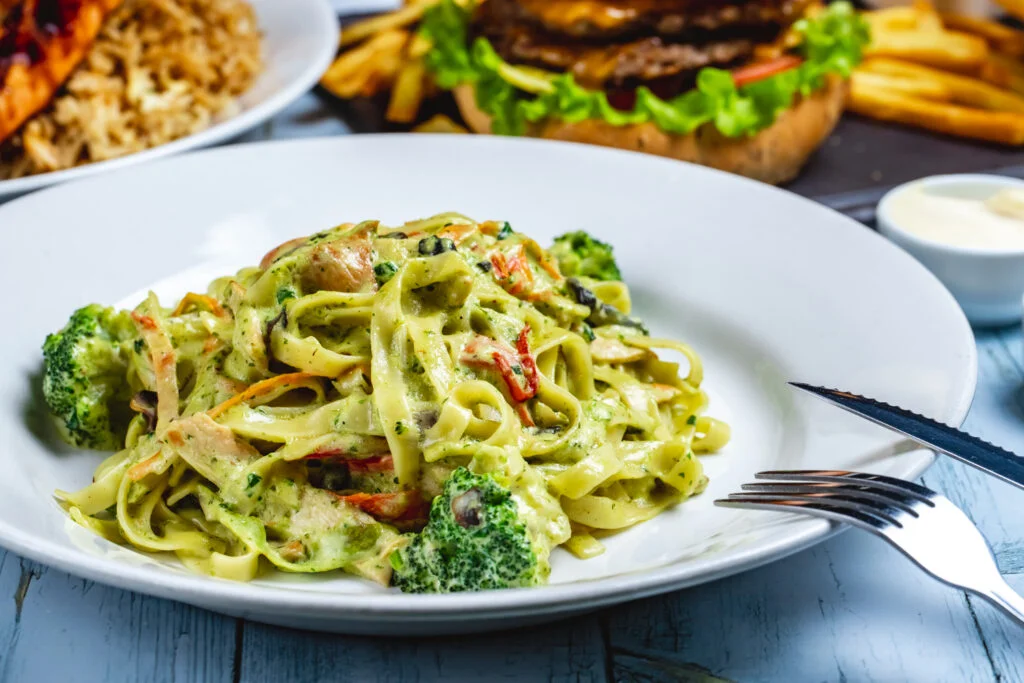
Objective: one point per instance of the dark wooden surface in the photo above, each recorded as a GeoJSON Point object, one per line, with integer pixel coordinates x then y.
{"type": "Point", "coordinates": [856, 165]}
{"type": "Point", "coordinates": [864, 158]}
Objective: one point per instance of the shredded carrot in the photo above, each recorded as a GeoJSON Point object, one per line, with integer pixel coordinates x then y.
{"type": "Point", "coordinates": [544, 259]}
{"type": "Point", "coordinates": [490, 228]}
{"type": "Point", "coordinates": [458, 233]}
{"type": "Point", "coordinates": [293, 551]}
{"type": "Point", "coordinates": [144, 321]}
{"type": "Point", "coordinates": [193, 299]}
{"type": "Point", "coordinates": [262, 388]}
{"type": "Point", "coordinates": [144, 468]}
{"type": "Point", "coordinates": [211, 344]}
{"type": "Point", "coordinates": [500, 264]}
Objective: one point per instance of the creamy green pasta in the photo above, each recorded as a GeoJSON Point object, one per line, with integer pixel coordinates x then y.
{"type": "Point", "coordinates": [303, 413]}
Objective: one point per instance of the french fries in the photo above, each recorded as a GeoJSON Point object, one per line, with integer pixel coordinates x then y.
{"type": "Point", "coordinates": [925, 89]}
{"type": "Point", "coordinates": [943, 49]}
{"type": "Point", "coordinates": [963, 90]}
{"type": "Point", "coordinates": [920, 17]}
{"type": "Point", "coordinates": [369, 68]}
{"type": "Point", "coordinates": [999, 37]}
{"type": "Point", "coordinates": [383, 52]}
{"type": "Point", "coordinates": [439, 123]}
{"type": "Point", "coordinates": [361, 30]}
{"type": "Point", "coordinates": [889, 105]}
{"type": "Point", "coordinates": [1004, 72]}
{"type": "Point", "coordinates": [407, 94]}
{"type": "Point", "coordinates": [947, 73]}
{"type": "Point", "coordinates": [1014, 7]}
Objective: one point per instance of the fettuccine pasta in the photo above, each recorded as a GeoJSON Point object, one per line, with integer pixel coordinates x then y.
{"type": "Point", "coordinates": [303, 413]}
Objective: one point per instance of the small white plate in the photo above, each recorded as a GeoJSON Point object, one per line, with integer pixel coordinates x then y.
{"type": "Point", "coordinates": [300, 38]}
{"type": "Point", "coordinates": [987, 282]}
{"type": "Point", "coordinates": [766, 286]}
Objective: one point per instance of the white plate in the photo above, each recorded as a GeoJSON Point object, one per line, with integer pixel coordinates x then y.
{"type": "Point", "coordinates": [299, 41]}
{"type": "Point", "coordinates": [767, 287]}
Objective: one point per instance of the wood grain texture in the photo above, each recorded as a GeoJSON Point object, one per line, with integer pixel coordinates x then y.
{"type": "Point", "coordinates": [997, 416]}
{"type": "Point", "coordinates": [563, 651]}
{"type": "Point", "coordinates": [851, 609]}
{"type": "Point", "coordinates": [55, 627]}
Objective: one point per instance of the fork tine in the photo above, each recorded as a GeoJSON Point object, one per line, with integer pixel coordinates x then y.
{"type": "Point", "coordinates": [882, 511]}
{"type": "Point", "coordinates": [837, 511]}
{"type": "Point", "coordinates": [846, 491]}
{"type": "Point", "coordinates": [879, 481]}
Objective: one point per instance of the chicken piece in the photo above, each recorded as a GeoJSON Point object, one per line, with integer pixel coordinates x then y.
{"type": "Point", "coordinates": [41, 43]}
{"type": "Point", "coordinates": [342, 265]}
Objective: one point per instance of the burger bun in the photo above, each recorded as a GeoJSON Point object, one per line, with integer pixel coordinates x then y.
{"type": "Point", "coordinates": [773, 155]}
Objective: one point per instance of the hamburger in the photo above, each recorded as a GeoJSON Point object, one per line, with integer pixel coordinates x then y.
{"type": "Point", "coordinates": [747, 86]}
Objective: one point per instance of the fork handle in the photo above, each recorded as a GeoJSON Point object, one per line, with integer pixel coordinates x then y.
{"type": "Point", "coordinates": [1006, 599]}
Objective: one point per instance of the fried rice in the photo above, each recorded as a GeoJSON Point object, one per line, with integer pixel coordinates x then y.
{"type": "Point", "coordinates": [158, 71]}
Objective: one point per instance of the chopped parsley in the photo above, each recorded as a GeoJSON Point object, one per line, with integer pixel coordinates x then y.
{"type": "Point", "coordinates": [384, 271]}
{"type": "Point", "coordinates": [285, 293]}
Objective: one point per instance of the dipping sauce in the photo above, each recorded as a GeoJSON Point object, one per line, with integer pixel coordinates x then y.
{"type": "Point", "coordinates": [973, 214]}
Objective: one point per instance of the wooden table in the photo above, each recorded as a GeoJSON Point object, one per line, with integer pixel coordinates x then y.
{"type": "Point", "coordinates": [850, 609]}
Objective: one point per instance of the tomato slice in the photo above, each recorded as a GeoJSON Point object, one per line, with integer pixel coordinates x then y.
{"type": "Point", "coordinates": [762, 70]}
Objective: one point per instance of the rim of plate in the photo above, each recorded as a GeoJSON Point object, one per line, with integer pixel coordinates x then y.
{"type": "Point", "coordinates": [802, 531]}
{"type": "Point", "coordinates": [325, 37]}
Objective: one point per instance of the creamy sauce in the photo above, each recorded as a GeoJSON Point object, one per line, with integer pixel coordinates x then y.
{"type": "Point", "coordinates": [970, 215]}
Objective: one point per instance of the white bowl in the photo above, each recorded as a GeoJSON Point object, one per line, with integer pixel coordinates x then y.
{"type": "Point", "coordinates": [986, 282]}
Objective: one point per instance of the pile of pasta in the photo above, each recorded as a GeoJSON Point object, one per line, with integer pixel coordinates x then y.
{"type": "Point", "coordinates": [304, 412]}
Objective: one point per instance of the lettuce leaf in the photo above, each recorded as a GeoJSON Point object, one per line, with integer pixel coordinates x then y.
{"type": "Point", "coordinates": [833, 41]}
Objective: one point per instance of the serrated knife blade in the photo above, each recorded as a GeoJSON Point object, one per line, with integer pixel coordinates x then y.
{"type": "Point", "coordinates": [953, 442]}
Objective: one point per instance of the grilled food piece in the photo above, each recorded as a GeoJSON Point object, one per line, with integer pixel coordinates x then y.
{"type": "Point", "coordinates": [604, 19]}
{"type": "Point", "coordinates": [595, 66]}
{"type": "Point", "coordinates": [41, 43]}
{"type": "Point", "coordinates": [613, 43]}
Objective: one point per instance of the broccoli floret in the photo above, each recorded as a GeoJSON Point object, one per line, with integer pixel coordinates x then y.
{"type": "Point", "coordinates": [84, 377]}
{"type": "Point", "coordinates": [474, 540]}
{"type": "Point", "coordinates": [579, 254]}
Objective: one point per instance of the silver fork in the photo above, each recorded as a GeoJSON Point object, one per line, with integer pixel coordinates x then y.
{"type": "Point", "coordinates": [923, 524]}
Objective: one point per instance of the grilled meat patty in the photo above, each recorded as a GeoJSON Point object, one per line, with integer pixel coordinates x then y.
{"type": "Point", "coordinates": [595, 66]}
{"type": "Point", "coordinates": [609, 19]}
{"type": "Point", "coordinates": [619, 44]}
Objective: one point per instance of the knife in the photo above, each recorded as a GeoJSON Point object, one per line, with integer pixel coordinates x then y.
{"type": "Point", "coordinates": [955, 443]}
